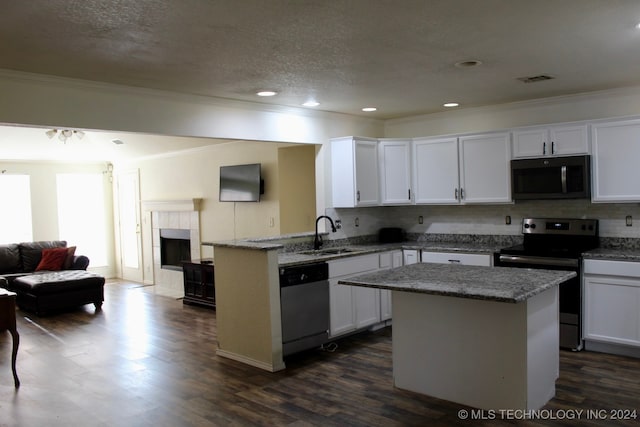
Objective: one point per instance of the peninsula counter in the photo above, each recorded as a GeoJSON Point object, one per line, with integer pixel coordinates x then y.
{"type": "Point", "coordinates": [481, 336]}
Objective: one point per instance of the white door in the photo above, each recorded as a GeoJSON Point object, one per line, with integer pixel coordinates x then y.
{"type": "Point", "coordinates": [569, 140]}
{"type": "Point", "coordinates": [531, 142]}
{"type": "Point", "coordinates": [367, 306]}
{"type": "Point", "coordinates": [341, 308]}
{"type": "Point", "coordinates": [436, 171]}
{"type": "Point", "coordinates": [129, 220]}
{"type": "Point", "coordinates": [616, 150]}
{"type": "Point", "coordinates": [395, 171]}
{"type": "Point", "coordinates": [366, 153]}
{"type": "Point", "coordinates": [484, 168]}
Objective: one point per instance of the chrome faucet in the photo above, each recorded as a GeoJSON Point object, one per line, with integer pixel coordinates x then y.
{"type": "Point", "coordinates": [317, 241]}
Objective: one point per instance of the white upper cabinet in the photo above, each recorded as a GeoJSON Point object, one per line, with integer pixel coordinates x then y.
{"type": "Point", "coordinates": [485, 174]}
{"type": "Point", "coordinates": [469, 169]}
{"type": "Point", "coordinates": [394, 157]}
{"type": "Point", "coordinates": [435, 165]}
{"type": "Point", "coordinates": [559, 140]}
{"type": "Point", "coordinates": [354, 172]}
{"type": "Point", "coordinates": [616, 161]}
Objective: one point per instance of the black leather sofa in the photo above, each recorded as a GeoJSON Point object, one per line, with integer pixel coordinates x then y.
{"type": "Point", "coordinates": [21, 259]}
{"type": "Point", "coordinates": [44, 291]}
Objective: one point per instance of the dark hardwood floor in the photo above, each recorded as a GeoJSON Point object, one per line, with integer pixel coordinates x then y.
{"type": "Point", "coordinates": [147, 360]}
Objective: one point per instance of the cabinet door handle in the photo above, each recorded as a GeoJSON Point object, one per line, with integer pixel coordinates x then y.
{"type": "Point", "coordinates": [454, 261]}
{"type": "Point", "coordinates": [461, 193]}
{"type": "Point", "coordinates": [455, 192]}
{"type": "Point", "coordinates": [358, 195]}
{"type": "Point", "coordinates": [544, 148]}
{"type": "Point", "coordinates": [409, 194]}
{"type": "Point", "coordinates": [553, 147]}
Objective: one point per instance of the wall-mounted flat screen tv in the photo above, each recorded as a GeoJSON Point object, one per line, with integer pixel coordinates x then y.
{"type": "Point", "coordinates": [240, 183]}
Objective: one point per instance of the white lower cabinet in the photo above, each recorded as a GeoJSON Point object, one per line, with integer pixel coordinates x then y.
{"type": "Point", "coordinates": [410, 256]}
{"type": "Point", "coordinates": [456, 258]}
{"type": "Point", "coordinates": [388, 260]}
{"type": "Point", "coordinates": [352, 307]}
{"type": "Point", "coordinates": [612, 302]}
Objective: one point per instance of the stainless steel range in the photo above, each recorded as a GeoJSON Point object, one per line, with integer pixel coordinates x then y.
{"type": "Point", "coordinates": [557, 244]}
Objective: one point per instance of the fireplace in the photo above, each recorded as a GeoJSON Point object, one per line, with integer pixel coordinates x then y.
{"type": "Point", "coordinates": [183, 215]}
{"type": "Point", "coordinates": [175, 247]}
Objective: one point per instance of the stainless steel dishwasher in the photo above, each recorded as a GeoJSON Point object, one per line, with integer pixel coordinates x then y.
{"type": "Point", "coordinates": [304, 304]}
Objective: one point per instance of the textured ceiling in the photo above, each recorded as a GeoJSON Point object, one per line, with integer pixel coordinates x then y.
{"type": "Point", "coordinates": [396, 55]}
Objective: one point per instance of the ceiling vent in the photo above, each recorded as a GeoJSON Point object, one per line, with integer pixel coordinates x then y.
{"type": "Point", "coordinates": [534, 79]}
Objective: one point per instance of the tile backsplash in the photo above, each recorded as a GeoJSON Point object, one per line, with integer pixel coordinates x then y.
{"type": "Point", "coordinates": [483, 219]}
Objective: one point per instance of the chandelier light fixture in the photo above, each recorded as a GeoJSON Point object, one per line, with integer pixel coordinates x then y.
{"type": "Point", "coordinates": [64, 134]}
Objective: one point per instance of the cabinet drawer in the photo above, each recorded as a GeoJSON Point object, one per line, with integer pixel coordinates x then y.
{"type": "Point", "coordinates": [353, 265]}
{"type": "Point", "coordinates": [612, 268]}
{"type": "Point", "coordinates": [456, 258]}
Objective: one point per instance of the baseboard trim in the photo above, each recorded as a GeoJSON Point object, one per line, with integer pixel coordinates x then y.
{"type": "Point", "coordinates": [611, 348]}
{"type": "Point", "coordinates": [249, 361]}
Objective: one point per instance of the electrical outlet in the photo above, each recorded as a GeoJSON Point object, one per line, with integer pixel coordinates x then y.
{"type": "Point", "coordinates": [357, 222]}
{"type": "Point", "coordinates": [420, 220]}
{"type": "Point", "coordinates": [629, 221]}
{"type": "Point", "coordinates": [272, 222]}
{"type": "Point", "coordinates": [338, 223]}
{"type": "Point", "coordinates": [507, 219]}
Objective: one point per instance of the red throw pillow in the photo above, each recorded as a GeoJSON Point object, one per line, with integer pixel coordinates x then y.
{"type": "Point", "coordinates": [52, 259]}
{"type": "Point", "coordinates": [68, 261]}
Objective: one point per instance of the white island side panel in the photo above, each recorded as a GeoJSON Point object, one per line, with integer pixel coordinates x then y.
{"type": "Point", "coordinates": [484, 354]}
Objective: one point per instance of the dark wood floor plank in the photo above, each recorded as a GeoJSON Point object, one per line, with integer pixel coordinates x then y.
{"type": "Point", "coordinates": [148, 360]}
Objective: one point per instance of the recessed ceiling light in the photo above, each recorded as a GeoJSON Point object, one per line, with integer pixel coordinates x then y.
{"type": "Point", "coordinates": [638, 25]}
{"type": "Point", "coordinates": [468, 64]}
{"type": "Point", "coordinates": [450, 104]}
{"type": "Point", "coordinates": [369, 109]}
{"type": "Point", "coordinates": [267, 93]}
{"type": "Point", "coordinates": [311, 104]}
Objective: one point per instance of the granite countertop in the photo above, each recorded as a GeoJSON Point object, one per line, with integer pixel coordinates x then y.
{"type": "Point", "coordinates": [248, 244]}
{"type": "Point", "coordinates": [613, 254]}
{"type": "Point", "coordinates": [503, 284]}
{"type": "Point", "coordinates": [300, 257]}
{"type": "Point", "coordinates": [293, 258]}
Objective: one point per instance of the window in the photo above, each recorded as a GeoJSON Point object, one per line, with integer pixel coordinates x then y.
{"type": "Point", "coordinates": [81, 215]}
{"type": "Point", "coordinates": [15, 223]}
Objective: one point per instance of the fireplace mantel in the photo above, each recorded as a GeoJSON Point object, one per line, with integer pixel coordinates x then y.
{"type": "Point", "coordinates": [171, 205]}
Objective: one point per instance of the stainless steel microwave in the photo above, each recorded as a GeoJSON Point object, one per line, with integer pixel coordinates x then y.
{"type": "Point", "coordinates": [551, 178]}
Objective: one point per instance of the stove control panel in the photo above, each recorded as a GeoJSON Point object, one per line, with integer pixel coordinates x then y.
{"type": "Point", "coordinates": [569, 226]}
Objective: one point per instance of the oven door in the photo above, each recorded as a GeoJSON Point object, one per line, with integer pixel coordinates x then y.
{"type": "Point", "coordinates": [570, 293]}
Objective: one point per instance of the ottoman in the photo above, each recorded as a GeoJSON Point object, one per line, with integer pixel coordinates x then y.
{"type": "Point", "coordinates": [58, 290]}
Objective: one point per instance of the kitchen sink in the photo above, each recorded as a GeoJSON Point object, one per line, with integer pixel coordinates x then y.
{"type": "Point", "coordinates": [329, 251]}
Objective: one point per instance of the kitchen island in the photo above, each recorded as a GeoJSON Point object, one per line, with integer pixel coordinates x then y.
{"type": "Point", "coordinates": [480, 336]}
